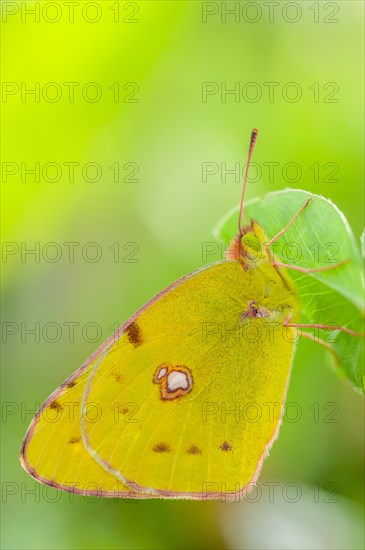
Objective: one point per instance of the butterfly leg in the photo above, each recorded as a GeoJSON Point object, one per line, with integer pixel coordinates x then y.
{"type": "Point", "coordinates": [309, 269]}
{"type": "Point", "coordinates": [318, 340]}
{"type": "Point", "coordinates": [267, 245]}
{"type": "Point", "coordinates": [295, 267]}
{"type": "Point", "coordinates": [287, 323]}
{"type": "Point", "coordinates": [323, 343]}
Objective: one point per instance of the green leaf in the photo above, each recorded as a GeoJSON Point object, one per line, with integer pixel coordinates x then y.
{"type": "Point", "coordinates": [319, 237]}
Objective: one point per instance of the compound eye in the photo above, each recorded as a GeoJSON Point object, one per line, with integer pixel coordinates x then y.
{"type": "Point", "coordinates": [251, 242]}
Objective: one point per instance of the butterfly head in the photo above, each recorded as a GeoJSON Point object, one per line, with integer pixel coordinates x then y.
{"type": "Point", "coordinates": [248, 246]}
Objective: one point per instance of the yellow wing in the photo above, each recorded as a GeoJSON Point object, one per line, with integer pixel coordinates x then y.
{"type": "Point", "coordinates": [184, 401]}
{"type": "Point", "coordinates": [53, 451]}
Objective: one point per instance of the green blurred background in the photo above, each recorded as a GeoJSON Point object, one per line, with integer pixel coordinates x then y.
{"type": "Point", "coordinates": [167, 50]}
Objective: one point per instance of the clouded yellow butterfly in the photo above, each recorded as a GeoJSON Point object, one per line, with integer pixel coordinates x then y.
{"type": "Point", "coordinates": [185, 399]}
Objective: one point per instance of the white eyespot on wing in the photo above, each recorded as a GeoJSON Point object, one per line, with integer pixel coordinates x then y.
{"type": "Point", "coordinates": [174, 381]}
{"type": "Point", "coordinates": [162, 372]}
{"type": "Point", "coordinates": [177, 380]}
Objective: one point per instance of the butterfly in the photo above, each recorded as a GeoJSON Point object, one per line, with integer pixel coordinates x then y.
{"type": "Point", "coordinates": [186, 398]}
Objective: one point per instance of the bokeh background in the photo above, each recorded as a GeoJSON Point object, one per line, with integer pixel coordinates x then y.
{"type": "Point", "coordinates": [159, 211]}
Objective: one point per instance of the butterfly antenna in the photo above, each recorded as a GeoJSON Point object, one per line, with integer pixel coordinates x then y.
{"type": "Point", "coordinates": [242, 213]}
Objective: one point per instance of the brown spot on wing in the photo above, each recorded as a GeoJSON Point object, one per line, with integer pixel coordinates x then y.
{"type": "Point", "coordinates": [56, 405]}
{"type": "Point", "coordinates": [75, 440]}
{"type": "Point", "coordinates": [226, 446]}
{"type": "Point", "coordinates": [134, 334]}
{"type": "Point", "coordinates": [194, 450]}
{"type": "Point", "coordinates": [117, 377]}
{"type": "Point", "coordinates": [162, 448]}
{"type": "Point", "coordinates": [71, 384]}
